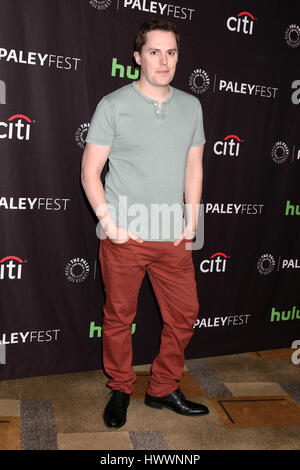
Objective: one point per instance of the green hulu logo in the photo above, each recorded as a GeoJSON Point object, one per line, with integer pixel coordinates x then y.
{"type": "Point", "coordinates": [291, 209]}
{"type": "Point", "coordinates": [285, 315]}
{"type": "Point", "coordinates": [121, 69]}
{"type": "Point", "coordinates": [97, 330]}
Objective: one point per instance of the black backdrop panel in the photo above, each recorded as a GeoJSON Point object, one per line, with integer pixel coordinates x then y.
{"type": "Point", "coordinates": [58, 59]}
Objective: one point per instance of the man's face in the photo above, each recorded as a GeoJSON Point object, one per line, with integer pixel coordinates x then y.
{"type": "Point", "coordinates": [158, 57]}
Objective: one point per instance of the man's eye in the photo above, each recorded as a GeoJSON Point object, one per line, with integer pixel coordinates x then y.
{"type": "Point", "coordinates": [153, 52]}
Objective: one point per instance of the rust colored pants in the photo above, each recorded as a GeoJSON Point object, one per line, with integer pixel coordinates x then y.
{"type": "Point", "coordinates": [172, 275]}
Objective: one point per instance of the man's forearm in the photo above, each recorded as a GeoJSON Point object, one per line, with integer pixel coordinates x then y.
{"type": "Point", "coordinates": [94, 191]}
{"type": "Point", "coordinates": [193, 194]}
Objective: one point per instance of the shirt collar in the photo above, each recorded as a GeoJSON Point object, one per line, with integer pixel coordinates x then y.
{"type": "Point", "coordinates": [150, 100]}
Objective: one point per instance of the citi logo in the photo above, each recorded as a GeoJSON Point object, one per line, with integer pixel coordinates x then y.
{"type": "Point", "coordinates": [242, 23]}
{"type": "Point", "coordinates": [17, 127]}
{"type": "Point", "coordinates": [121, 70]}
{"type": "Point", "coordinates": [11, 267]}
{"type": "Point", "coordinates": [216, 263]}
{"type": "Point", "coordinates": [230, 145]}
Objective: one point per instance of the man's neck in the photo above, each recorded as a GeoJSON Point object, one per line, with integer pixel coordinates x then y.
{"type": "Point", "coordinates": [158, 93]}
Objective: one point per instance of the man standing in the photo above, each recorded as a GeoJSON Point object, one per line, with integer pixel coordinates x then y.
{"type": "Point", "coordinates": [153, 135]}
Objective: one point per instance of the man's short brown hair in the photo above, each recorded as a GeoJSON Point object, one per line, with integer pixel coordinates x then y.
{"type": "Point", "coordinates": [164, 25]}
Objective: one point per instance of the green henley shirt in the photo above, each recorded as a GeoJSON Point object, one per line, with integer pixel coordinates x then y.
{"type": "Point", "coordinates": [144, 185]}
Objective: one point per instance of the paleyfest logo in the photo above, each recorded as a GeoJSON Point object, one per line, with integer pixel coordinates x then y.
{"type": "Point", "coordinates": [77, 270]}
{"type": "Point", "coordinates": [199, 81]}
{"type": "Point", "coordinates": [292, 35]}
{"type": "Point", "coordinates": [24, 337]}
{"type": "Point", "coordinates": [41, 59]}
{"type": "Point", "coordinates": [80, 134]}
{"type": "Point", "coordinates": [148, 6]}
{"type": "Point", "coordinates": [280, 152]}
{"type": "Point", "coordinates": [100, 4]}
{"type": "Point", "coordinates": [265, 264]}
{"type": "Point", "coordinates": [244, 88]}
{"type": "Point", "coordinates": [158, 8]}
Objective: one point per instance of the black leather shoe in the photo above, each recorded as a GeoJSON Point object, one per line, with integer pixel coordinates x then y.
{"type": "Point", "coordinates": [177, 402]}
{"type": "Point", "coordinates": [115, 411]}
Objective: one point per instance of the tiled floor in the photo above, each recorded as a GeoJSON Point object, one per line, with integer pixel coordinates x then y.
{"type": "Point", "coordinates": [253, 398]}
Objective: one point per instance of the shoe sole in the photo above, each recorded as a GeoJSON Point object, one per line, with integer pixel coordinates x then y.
{"type": "Point", "coordinates": [159, 406]}
{"type": "Point", "coordinates": [114, 425]}
{"type": "Point", "coordinates": [110, 425]}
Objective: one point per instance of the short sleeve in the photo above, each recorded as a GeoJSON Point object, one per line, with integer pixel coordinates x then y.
{"type": "Point", "coordinates": [101, 129]}
{"type": "Point", "coordinates": [199, 135]}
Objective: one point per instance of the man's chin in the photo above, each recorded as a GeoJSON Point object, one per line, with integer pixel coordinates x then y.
{"type": "Point", "coordinates": [164, 81]}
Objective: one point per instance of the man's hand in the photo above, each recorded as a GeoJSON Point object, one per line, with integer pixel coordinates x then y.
{"type": "Point", "coordinates": [118, 234]}
{"type": "Point", "coordinates": [187, 233]}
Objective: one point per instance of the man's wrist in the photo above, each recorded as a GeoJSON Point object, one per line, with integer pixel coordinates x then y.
{"type": "Point", "coordinates": [190, 227]}
{"type": "Point", "coordinates": [189, 232]}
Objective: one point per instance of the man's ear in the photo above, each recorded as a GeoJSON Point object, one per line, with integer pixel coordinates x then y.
{"type": "Point", "coordinates": [137, 58]}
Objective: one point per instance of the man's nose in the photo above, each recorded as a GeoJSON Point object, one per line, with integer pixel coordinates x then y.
{"type": "Point", "coordinates": [163, 59]}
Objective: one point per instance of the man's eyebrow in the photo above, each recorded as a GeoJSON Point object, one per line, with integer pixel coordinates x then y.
{"type": "Point", "coordinates": [156, 49]}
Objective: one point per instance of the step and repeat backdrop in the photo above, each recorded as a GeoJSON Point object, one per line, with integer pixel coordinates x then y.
{"type": "Point", "coordinates": [57, 60]}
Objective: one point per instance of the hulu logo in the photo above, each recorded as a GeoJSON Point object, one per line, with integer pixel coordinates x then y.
{"type": "Point", "coordinates": [121, 69]}
{"type": "Point", "coordinates": [98, 330]}
{"type": "Point", "coordinates": [285, 315]}
{"type": "Point", "coordinates": [291, 209]}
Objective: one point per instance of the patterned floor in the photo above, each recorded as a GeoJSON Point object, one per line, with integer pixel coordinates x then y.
{"type": "Point", "coordinates": [254, 402]}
